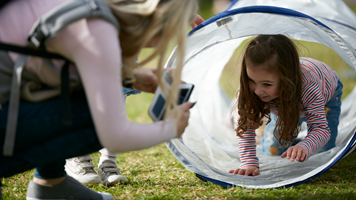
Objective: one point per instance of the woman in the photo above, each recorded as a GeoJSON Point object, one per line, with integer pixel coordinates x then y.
{"type": "Point", "coordinates": [102, 56]}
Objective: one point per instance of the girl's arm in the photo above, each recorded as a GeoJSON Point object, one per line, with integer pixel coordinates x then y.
{"type": "Point", "coordinates": [247, 152]}
{"type": "Point", "coordinates": [247, 149]}
{"type": "Point", "coordinates": [94, 47]}
{"type": "Point", "coordinates": [314, 111]}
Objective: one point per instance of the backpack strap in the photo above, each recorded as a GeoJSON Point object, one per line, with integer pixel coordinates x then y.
{"type": "Point", "coordinates": [13, 105]}
{"type": "Point", "coordinates": [44, 29]}
{"type": "Point", "coordinates": [11, 123]}
{"type": "Point", "coordinates": [55, 20]}
{"type": "Point", "coordinates": [3, 3]}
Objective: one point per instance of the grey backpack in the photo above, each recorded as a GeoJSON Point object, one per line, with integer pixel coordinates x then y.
{"type": "Point", "coordinates": [12, 75]}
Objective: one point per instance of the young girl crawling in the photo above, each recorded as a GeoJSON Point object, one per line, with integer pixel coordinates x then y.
{"type": "Point", "coordinates": [274, 80]}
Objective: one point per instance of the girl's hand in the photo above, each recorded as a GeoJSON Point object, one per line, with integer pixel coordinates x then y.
{"type": "Point", "coordinates": [254, 171]}
{"type": "Point", "coordinates": [184, 116]}
{"type": "Point", "coordinates": [295, 153]}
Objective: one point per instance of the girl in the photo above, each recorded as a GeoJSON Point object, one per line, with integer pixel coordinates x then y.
{"type": "Point", "coordinates": [102, 55]}
{"type": "Point", "coordinates": [274, 79]}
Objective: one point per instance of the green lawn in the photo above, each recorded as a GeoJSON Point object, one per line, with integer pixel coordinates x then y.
{"type": "Point", "coordinates": [154, 173]}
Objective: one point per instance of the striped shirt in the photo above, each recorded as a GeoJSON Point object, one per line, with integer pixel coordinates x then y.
{"type": "Point", "coordinates": [319, 85]}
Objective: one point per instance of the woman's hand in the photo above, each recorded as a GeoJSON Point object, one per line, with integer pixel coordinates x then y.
{"type": "Point", "coordinates": [146, 79]}
{"type": "Point", "coordinates": [254, 171]}
{"type": "Point", "coordinates": [198, 20]}
{"type": "Point", "coordinates": [295, 153]}
{"type": "Point", "coordinates": [184, 116]}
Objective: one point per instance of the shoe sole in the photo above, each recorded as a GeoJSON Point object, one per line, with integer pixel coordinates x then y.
{"type": "Point", "coordinates": [119, 181]}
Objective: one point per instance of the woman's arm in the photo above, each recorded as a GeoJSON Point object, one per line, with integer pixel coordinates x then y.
{"type": "Point", "coordinates": [94, 47]}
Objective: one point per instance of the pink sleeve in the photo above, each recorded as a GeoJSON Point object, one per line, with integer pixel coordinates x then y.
{"type": "Point", "coordinates": [94, 47]}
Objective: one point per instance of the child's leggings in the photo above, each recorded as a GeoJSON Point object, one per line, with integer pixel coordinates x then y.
{"type": "Point", "coordinates": [271, 146]}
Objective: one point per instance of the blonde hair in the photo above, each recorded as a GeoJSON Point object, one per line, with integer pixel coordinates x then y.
{"type": "Point", "coordinates": [169, 19]}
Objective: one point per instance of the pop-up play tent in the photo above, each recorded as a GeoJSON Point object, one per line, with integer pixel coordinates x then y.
{"type": "Point", "coordinates": [209, 145]}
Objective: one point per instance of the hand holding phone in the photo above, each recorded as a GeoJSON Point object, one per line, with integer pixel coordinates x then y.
{"type": "Point", "coordinates": [157, 108]}
{"type": "Point", "coordinates": [182, 122]}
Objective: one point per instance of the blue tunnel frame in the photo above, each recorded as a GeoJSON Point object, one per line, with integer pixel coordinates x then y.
{"type": "Point", "coordinates": [285, 12]}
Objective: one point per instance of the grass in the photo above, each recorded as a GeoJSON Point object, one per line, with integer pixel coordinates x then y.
{"type": "Point", "coordinates": [154, 173]}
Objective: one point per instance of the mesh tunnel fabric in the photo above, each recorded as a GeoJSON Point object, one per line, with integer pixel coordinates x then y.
{"type": "Point", "coordinates": [209, 146]}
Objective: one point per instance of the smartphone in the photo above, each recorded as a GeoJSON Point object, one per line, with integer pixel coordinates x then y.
{"type": "Point", "coordinates": [157, 108]}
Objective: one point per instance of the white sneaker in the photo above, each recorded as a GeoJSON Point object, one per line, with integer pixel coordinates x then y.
{"type": "Point", "coordinates": [82, 169]}
{"type": "Point", "coordinates": [110, 174]}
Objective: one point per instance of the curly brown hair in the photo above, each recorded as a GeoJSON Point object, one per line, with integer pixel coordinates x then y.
{"type": "Point", "coordinates": [284, 54]}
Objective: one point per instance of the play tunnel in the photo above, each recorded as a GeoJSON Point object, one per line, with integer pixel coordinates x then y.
{"type": "Point", "coordinates": [209, 146]}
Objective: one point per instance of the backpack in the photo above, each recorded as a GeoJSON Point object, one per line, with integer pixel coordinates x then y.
{"type": "Point", "coordinates": [12, 75]}
{"type": "Point", "coordinates": [4, 2]}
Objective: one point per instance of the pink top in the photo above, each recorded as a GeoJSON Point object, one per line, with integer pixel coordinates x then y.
{"type": "Point", "coordinates": [94, 47]}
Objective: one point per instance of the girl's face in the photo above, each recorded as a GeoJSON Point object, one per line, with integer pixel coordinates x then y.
{"type": "Point", "coordinates": [263, 83]}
